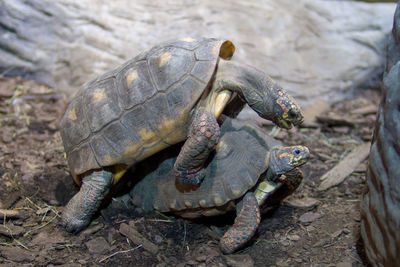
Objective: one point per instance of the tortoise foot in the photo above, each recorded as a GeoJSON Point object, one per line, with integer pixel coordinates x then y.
{"type": "Point", "coordinates": [81, 208]}
{"type": "Point", "coordinates": [74, 225]}
{"type": "Point", "coordinates": [202, 139]}
{"type": "Point", "coordinates": [245, 226]}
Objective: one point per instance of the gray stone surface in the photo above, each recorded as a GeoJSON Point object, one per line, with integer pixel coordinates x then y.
{"type": "Point", "coordinates": [314, 48]}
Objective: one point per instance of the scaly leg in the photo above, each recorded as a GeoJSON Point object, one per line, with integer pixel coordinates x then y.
{"type": "Point", "coordinates": [246, 224]}
{"type": "Point", "coordinates": [202, 138]}
{"type": "Point", "coordinates": [85, 203]}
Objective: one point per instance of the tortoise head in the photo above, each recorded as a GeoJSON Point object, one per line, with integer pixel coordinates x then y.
{"type": "Point", "coordinates": [286, 110]}
{"type": "Point", "coordinates": [271, 102]}
{"type": "Point", "coordinates": [285, 159]}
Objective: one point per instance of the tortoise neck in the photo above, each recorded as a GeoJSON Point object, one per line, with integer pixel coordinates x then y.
{"type": "Point", "coordinates": [252, 85]}
{"type": "Point", "coordinates": [272, 163]}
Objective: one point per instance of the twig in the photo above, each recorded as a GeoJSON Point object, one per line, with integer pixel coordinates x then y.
{"type": "Point", "coordinates": [184, 235]}
{"type": "Point", "coordinates": [345, 167]}
{"type": "Point", "coordinates": [119, 252]}
{"type": "Point", "coordinates": [160, 220]}
{"type": "Point", "coordinates": [34, 204]}
{"type": "Point", "coordinates": [22, 245]}
{"type": "Point", "coordinates": [163, 215]}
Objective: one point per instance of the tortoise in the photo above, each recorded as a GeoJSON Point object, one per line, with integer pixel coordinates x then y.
{"type": "Point", "coordinates": [169, 93]}
{"type": "Point", "coordinates": [244, 172]}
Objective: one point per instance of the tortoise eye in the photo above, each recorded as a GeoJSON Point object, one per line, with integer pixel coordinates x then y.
{"type": "Point", "coordinates": [297, 151]}
{"type": "Point", "coordinates": [292, 113]}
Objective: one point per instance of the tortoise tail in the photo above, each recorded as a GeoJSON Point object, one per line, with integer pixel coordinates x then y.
{"type": "Point", "coordinates": [245, 225]}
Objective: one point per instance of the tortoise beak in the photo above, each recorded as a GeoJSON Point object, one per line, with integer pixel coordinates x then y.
{"type": "Point", "coordinates": [283, 123]}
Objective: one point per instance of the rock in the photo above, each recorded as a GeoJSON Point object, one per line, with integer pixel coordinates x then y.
{"type": "Point", "coordinates": [158, 239]}
{"type": "Point", "coordinates": [294, 237]}
{"type": "Point", "coordinates": [239, 260]}
{"type": "Point", "coordinates": [98, 245]}
{"type": "Point", "coordinates": [309, 217]}
{"type": "Point", "coordinates": [313, 48]}
{"type": "Point", "coordinates": [111, 235]}
{"type": "Point", "coordinates": [301, 203]}
{"type": "Point", "coordinates": [17, 254]}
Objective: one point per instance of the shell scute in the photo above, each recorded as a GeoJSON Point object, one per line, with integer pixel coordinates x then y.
{"type": "Point", "coordinates": [75, 127]}
{"type": "Point", "coordinates": [101, 104]}
{"type": "Point", "coordinates": [135, 85]}
{"type": "Point", "coordinates": [168, 66]}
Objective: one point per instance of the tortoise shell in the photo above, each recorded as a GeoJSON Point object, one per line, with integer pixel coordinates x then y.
{"type": "Point", "coordinates": [236, 168]}
{"type": "Point", "coordinates": [141, 107]}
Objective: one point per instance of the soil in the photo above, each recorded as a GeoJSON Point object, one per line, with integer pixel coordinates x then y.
{"type": "Point", "coordinates": [310, 228]}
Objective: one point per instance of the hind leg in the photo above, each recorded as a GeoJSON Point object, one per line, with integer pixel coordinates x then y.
{"type": "Point", "coordinates": [85, 203]}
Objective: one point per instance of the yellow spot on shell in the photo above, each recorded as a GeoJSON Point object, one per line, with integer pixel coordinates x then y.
{"type": "Point", "coordinates": [218, 201]}
{"type": "Point", "coordinates": [147, 136]}
{"type": "Point", "coordinates": [172, 205]}
{"type": "Point", "coordinates": [188, 39]}
{"type": "Point", "coordinates": [131, 150]}
{"type": "Point", "coordinates": [72, 115]}
{"type": "Point", "coordinates": [107, 159]}
{"type": "Point", "coordinates": [236, 193]}
{"type": "Point", "coordinates": [188, 204]}
{"type": "Point", "coordinates": [202, 203]}
{"type": "Point", "coordinates": [167, 126]}
{"type": "Point", "coordinates": [99, 95]}
{"type": "Point", "coordinates": [131, 77]}
{"type": "Point", "coordinates": [163, 59]}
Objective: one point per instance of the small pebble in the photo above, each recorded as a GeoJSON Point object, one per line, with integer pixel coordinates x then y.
{"type": "Point", "coordinates": [294, 237]}
{"type": "Point", "coordinates": [158, 239]}
{"type": "Point", "coordinates": [309, 217]}
{"type": "Point", "coordinates": [97, 245]}
{"type": "Point", "coordinates": [303, 203]}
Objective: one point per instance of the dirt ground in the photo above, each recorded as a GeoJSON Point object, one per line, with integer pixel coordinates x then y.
{"type": "Point", "coordinates": [311, 228]}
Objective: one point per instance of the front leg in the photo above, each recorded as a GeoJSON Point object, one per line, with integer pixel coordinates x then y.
{"type": "Point", "coordinates": [85, 203]}
{"type": "Point", "coordinates": [202, 138]}
{"type": "Point", "coordinates": [245, 226]}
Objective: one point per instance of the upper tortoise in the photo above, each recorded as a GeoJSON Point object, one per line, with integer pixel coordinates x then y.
{"type": "Point", "coordinates": [169, 93]}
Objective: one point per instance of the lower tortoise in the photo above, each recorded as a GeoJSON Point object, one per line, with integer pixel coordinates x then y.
{"type": "Point", "coordinates": [245, 171]}
{"type": "Point", "coordinates": [172, 92]}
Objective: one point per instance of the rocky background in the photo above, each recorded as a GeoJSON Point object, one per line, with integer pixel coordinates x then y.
{"type": "Point", "coordinates": [316, 49]}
